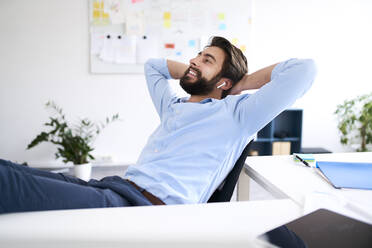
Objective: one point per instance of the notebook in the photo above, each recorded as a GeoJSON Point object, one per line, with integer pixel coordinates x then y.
{"type": "Point", "coordinates": [322, 228]}
{"type": "Point", "coordinates": [346, 174]}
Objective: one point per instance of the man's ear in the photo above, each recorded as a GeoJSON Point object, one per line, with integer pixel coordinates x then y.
{"type": "Point", "coordinates": [228, 83]}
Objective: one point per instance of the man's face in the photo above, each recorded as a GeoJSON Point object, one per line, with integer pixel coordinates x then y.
{"type": "Point", "coordinates": [204, 72]}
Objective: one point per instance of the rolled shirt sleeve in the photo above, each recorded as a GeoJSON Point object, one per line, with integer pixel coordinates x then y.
{"type": "Point", "coordinates": [289, 81]}
{"type": "Point", "coordinates": [157, 75]}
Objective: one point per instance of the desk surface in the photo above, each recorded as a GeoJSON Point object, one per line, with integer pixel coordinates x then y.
{"type": "Point", "coordinates": [283, 177]}
{"type": "Point", "coordinates": [231, 224]}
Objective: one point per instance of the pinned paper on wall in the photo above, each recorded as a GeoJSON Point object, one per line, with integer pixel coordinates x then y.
{"type": "Point", "coordinates": [199, 19]}
{"type": "Point", "coordinates": [141, 29]}
{"type": "Point", "coordinates": [135, 23]}
{"type": "Point", "coordinates": [96, 42]}
{"type": "Point", "coordinates": [119, 49]}
{"type": "Point", "coordinates": [107, 52]}
{"type": "Point", "coordinates": [147, 47]}
{"type": "Point", "coordinates": [114, 10]}
{"type": "Point", "coordinates": [126, 50]}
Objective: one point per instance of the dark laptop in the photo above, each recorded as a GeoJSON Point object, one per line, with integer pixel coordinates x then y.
{"type": "Point", "coordinates": [322, 228]}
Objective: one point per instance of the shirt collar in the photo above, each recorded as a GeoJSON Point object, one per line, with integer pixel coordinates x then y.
{"type": "Point", "coordinates": [185, 99]}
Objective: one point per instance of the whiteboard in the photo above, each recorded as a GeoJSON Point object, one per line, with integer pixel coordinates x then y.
{"type": "Point", "coordinates": [125, 33]}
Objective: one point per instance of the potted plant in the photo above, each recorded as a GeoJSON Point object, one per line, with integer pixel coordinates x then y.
{"type": "Point", "coordinates": [355, 121]}
{"type": "Point", "coordinates": [74, 143]}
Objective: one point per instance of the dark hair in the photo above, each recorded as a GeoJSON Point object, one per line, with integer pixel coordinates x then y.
{"type": "Point", "coordinates": [235, 64]}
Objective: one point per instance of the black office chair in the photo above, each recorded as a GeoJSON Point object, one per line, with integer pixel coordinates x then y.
{"type": "Point", "coordinates": [224, 192]}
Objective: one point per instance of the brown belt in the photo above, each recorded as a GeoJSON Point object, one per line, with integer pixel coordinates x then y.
{"type": "Point", "coordinates": [153, 199]}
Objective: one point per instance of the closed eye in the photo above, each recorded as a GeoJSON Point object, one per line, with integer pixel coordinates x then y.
{"type": "Point", "coordinates": [207, 58]}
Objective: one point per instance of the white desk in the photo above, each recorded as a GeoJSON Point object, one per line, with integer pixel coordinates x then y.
{"type": "Point", "coordinates": [232, 224]}
{"type": "Point", "coordinates": [284, 178]}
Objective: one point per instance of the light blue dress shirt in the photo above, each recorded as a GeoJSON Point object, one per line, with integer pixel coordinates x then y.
{"type": "Point", "coordinates": [196, 144]}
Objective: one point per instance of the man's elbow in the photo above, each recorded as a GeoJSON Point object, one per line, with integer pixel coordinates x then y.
{"type": "Point", "coordinates": [308, 74]}
{"type": "Point", "coordinates": [149, 63]}
{"type": "Point", "coordinates": [309, 69]}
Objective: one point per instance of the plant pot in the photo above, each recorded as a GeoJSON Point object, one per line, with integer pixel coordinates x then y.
{"type": "Point", "coordinates": [83, 171]}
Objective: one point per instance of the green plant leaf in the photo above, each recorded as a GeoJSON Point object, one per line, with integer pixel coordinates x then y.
{"type": "Point", "coordinates": [73, 144]}
{"type": "Point", "coordinates": [355, 120]}
{"type": "Point", "coordinates": [42, 137]}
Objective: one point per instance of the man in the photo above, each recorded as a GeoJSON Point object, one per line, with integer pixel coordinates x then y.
{"type": "Point", "coordinates": [196, 144]}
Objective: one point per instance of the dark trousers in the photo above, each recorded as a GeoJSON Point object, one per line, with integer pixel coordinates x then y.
{"type": "Point", "coordinates": [28, 189]}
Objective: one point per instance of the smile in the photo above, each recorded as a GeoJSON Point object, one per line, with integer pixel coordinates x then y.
{"type": "Point", "coordinates": [192, 73]}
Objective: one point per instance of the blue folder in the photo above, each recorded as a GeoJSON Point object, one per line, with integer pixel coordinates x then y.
{"type": "Point", "coordinates": [347, 175]}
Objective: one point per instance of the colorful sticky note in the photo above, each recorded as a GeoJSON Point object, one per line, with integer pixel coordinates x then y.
{"type": "Point", "coordinates": [105, 15]}
{"type": "Point", "coordinates": [178, 53]}
{"type": "Point", "coordinates": [167, 16]}
{"type": "Point", "coordinates": [167, 23]}
{"type": "Point", "coordinates": [192, 43]}
{"type": "Point", "coordinates": [221, 16]}
{"type": "Point", "coordinates": [234, 41]}
{"type": "Point", "coordinates": [96, 4]}
{"type": "Point", "coordinates": [169, 45]}
{"type": "Point", "coordinates": [96, 14]}
{"type": "Point", "coordinates": [137, 1]}
{"type": "Point", "coordinates": [222, 26]}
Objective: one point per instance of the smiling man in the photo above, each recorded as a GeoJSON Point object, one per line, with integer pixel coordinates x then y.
{"type": "Point", "coordinates": [198, 141]}
{"type": "Point", "coordinates": [200, 137]}
{"type": "Point", "coordinates": [196, 85]}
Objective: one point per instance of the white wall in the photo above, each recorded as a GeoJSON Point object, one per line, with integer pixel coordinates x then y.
{"type": "Point", "coordinates": [337, 34]}
{"type": "Point", "coordinates": [44, 55]}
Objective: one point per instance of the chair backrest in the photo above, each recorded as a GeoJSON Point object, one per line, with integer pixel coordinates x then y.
{"type": "Point", "coordinates": [224, 192]}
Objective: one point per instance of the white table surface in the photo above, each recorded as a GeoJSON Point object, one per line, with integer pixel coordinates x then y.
{"type": "Point", "coordinates": [232, 224]}
{"type": "Point", "coordinates": [283, 177]}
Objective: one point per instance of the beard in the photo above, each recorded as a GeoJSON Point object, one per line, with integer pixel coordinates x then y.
{"type": "Point", "coordinates": [201, 86]}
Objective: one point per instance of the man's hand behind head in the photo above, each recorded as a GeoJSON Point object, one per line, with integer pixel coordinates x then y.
{"type": "Point", "coordinates": [238, 87]}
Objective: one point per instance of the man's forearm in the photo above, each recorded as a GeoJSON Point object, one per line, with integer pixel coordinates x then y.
{"type": "Point", "coordinates": [257, 79]}
{"type": "Point", "coordinates": [176, 69]}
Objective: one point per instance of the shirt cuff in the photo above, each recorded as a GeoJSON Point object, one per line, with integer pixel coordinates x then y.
{"type": "Point", "coordinates": [161, 66]}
